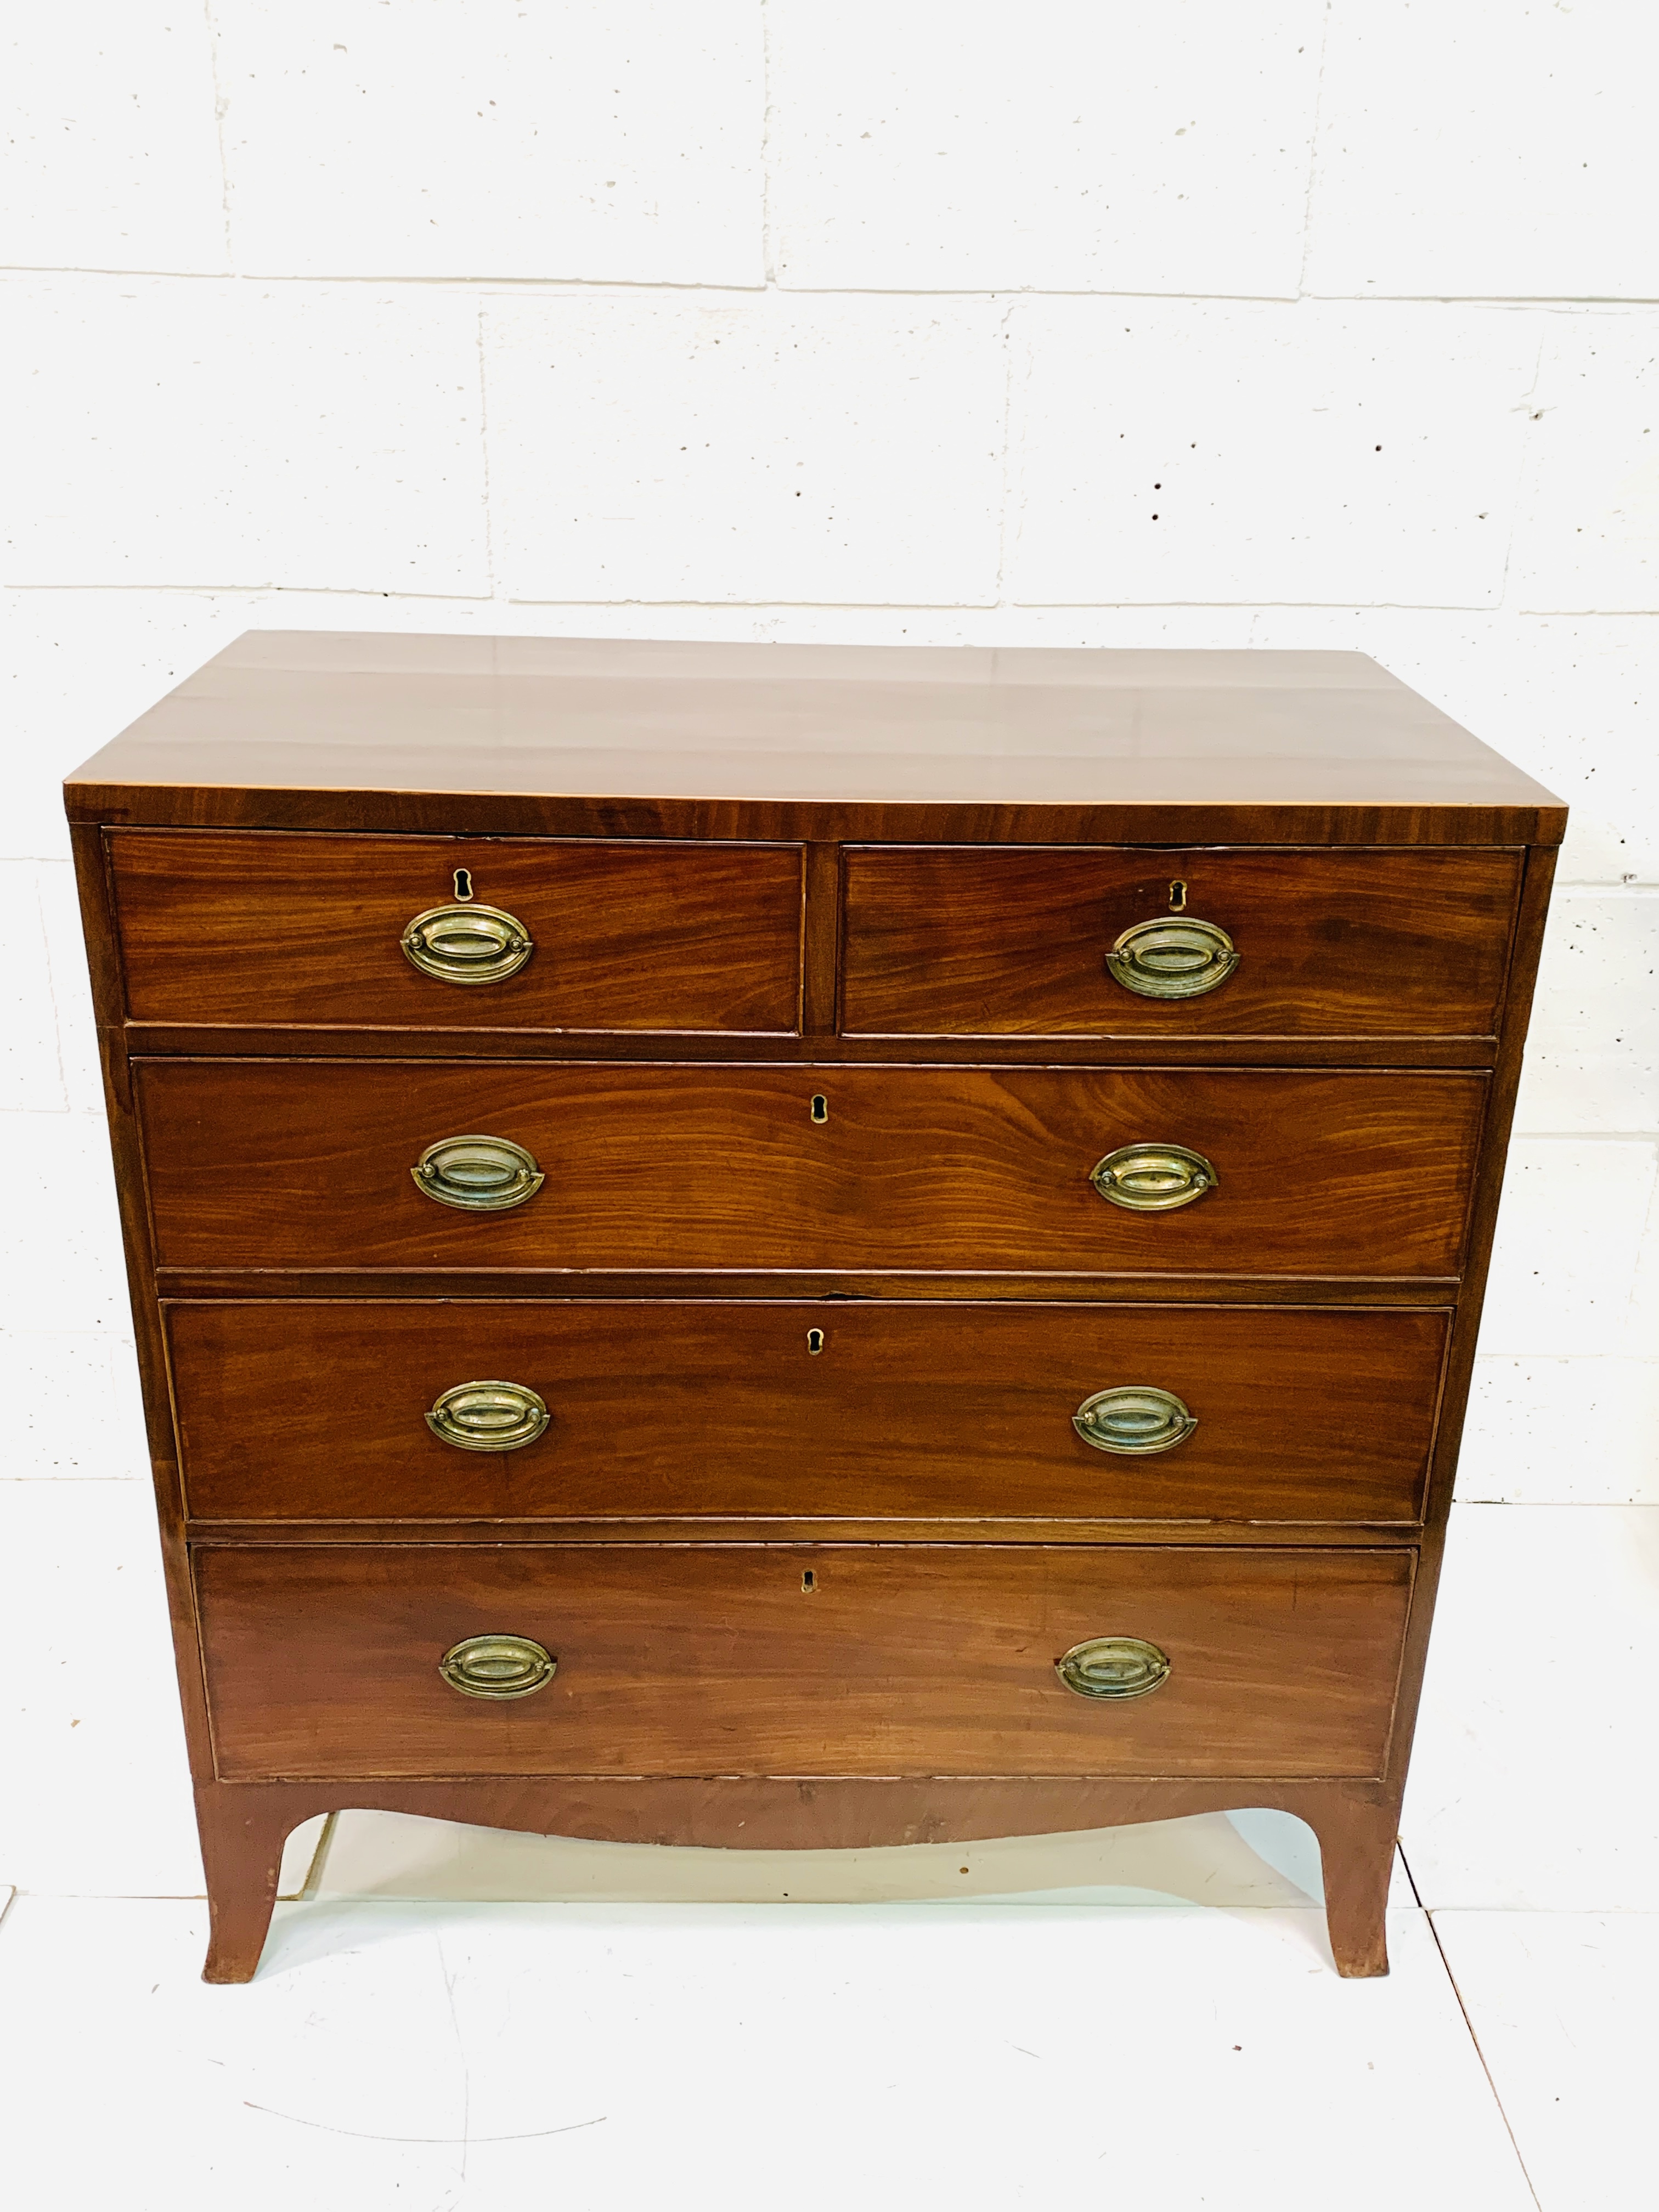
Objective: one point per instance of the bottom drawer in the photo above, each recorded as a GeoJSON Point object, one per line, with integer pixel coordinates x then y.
{"type": "Point", "coordinates": [811, 1660]}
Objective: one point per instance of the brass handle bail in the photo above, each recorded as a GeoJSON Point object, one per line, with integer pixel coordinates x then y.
{"type": "Point", "coordinates": [497, 1666]}
{"type": "Point", "coordinates": [1134, 1420]}
{"type": "Point", "coordinates": [1153, 1178]}
{"type": "Point", "coordinates": [1173, 957]}
{"type": "Point", "coordinates": [488, 1417]}
{"type": "Point", "coordinates": [1114, 1666]}
{"type": "Point", "coordinates": [467, 944]}
{"type": "Point", "coordinates": [479, 1175]}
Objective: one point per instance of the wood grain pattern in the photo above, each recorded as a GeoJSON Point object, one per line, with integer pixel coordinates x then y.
{"type": "Point", "coordinates": [867, 1286]}
{"type": "Point", "coordinates": [954, 941]}
{"type": "Point", "coordinates": [126, 1151]}
{"type": "Point", "coordinates": [257, 926]}
{"type": "Point", "coordinates": [1460, 1366]}
{"type": "Point", "coordinates": [243, 1824]}
{"type": "Point", "coordinates": [821, 909]}
{"type": "Point", "coordinates": [624, 737]}
{"type": "Point", "coordinates": [806, 1529]}
{"type": "Point", "coordinates": [316, 1411]}
{"type": "Point", "coordinates": [716, 1659]}
{"type": "Point", "coordinates": [306, 1164]}
{"type": "Point", "coordinates": [243, 1041]}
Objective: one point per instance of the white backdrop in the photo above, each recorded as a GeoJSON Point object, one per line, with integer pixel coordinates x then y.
{"type": "Point", "coordinates": [1285, 325]}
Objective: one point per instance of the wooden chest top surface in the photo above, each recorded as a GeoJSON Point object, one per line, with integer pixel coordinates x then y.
{"type": "Point", "coordinates": [579, 736]}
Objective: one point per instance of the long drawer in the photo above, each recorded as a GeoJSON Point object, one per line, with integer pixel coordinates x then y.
{"type": "Point", "coordinates": [291, 1165]}
{"type": "Point", "coordinates": [566, 934]}
{"type": "Point", "coordinates": [978, 941]}
{"type": "Point", "coordinates": [799, 1659]}
{"type": "Point", "coordinates": [320, 1410]}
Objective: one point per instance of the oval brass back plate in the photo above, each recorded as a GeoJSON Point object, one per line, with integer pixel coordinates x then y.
{"type": "Point", "coordinates": [1112, 1667]}
{"type": "Point", "coordinates": [1173, 957]}
{"type": "Point", "coordinates": [1132, 1421]}
{"type": "Point", "coordinates": [479, 1174]}
{"type": "Point", "coordinates": [1153, 1178]}
{"type": "Point", "coordinates": [467, 944]}
{"type": "Point", "coordinates": [488, 1417]}
{"type": "Point", "coordinates": [497, 1666]}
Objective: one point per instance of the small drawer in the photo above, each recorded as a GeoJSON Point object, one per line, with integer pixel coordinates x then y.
{"type": "Point", "coordinates": [408, 1164]}
{"type": "Point", "coordinates": [801, 1660]}
{"type": "Point", "coordinates": [616, 1410]}
{"type": "Point", "coordinates": [998, 941]}
{"type": "Point", "coordinates": [259, 928]}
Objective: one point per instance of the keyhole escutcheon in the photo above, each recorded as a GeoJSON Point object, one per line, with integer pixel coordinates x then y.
{"type": "Point", "coordinates": [463, 883]}
{"type": "Point", "coordinates": [815, 1341]}
{"type": "Point", "coordinates": [820, 1108]}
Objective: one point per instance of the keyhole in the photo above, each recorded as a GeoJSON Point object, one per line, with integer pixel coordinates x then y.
{"type": "Point", "coordinates": [1177, 895]}
{"type": "Point", "coordinates": [820, 1108]}
{"type": "Point", "coordinates": [815, 1341]}
{"type": "Point", "coordinates": [809, 1581]}
{"type": "Point", "coordinates": [463, 883]}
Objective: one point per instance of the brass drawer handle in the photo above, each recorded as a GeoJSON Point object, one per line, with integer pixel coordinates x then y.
{"type": "Point", "coordinates": [480, 1174]}
{"type": "Point", "coordinates": [1153, 1178]}
{"type": "Point", "coordinates": [1112, 1667]}
{"type": "Point", "coordinates": [1174, 957]}
{"type": "Point", "coordinates": [1132, 1421]}
{"type": "Point", "coordinates": [467, 944]}
{"type": "Point", "coordinates": [497, 1666]}
{"type": "Point", "coordinates": [489, 1416]}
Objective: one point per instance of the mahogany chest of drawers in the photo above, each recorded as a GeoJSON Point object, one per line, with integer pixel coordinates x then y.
{"type": "Point", "coordinates": [775, 1245]}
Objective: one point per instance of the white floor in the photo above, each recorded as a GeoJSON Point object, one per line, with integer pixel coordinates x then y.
{"type": "Point", "coordinates": [448, 2018]}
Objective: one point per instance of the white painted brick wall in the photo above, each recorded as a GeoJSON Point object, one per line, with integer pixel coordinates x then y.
{"type": "Point", "coordinates": [1068, 147]}
{"type": "Point", "coordinates": [1075, 322]}
{"type": "Point", "coordinates": [745, 446]}
{"type": "Point", "coordinates": [1486, 149]}
{"type": "Point", "coordinates": [111, 140]}
{"type": "Point", "coordinates": [1237, 451]}
{"type": "Point", "coordinates": [491, 138]}
{"type": "Point", "coordinates": [1588, 535]}
{"type": "Point", "coordinates": [172, 432]}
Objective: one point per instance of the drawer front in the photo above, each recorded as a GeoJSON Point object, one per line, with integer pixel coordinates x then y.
{"type": "Point", "coordinates": [323, 1410]}
{"type": "Point", "coordinates": [800, 1660]}
{"type": "Point", "coordinates": [992, 942]}
{"type": "Point", "coordinates": [311, 1163]}
{"type": "Point", "coordinates": [256, 927]}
